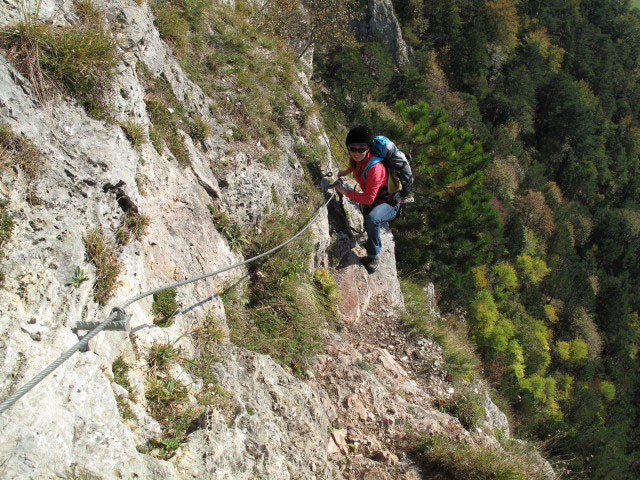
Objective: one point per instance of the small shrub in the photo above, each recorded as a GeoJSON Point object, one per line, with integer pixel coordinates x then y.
{"type": "Point", "coordinates": [164, 307]}
{"type": "Point", "coordinates": [102, 254]}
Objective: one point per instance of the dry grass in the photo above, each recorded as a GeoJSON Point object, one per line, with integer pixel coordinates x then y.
{"type": "Point", "coordinates": [79, 60]}
{"type": "Point", "coordinates": [134, 225]}
{"type": "Point", "coordinates": [102, 255]}
{"type": "Point", "coordinates": [444, 459]}
{"type": "Point", "coordinates": [18, 154]}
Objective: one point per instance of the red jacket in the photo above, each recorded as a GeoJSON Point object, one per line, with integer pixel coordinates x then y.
{"type": "Point", "coordinates": [376, 178]}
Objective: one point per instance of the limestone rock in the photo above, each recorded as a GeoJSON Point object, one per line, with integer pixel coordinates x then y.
{"type": "Point", "coordinates": [382, 23]}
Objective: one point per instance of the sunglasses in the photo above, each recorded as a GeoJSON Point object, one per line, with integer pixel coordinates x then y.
{"type": "Point", "coordinates": [358, 149]}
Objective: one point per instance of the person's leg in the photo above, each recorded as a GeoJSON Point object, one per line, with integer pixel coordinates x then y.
{"type": "Point", "coordinates": [381, 213]}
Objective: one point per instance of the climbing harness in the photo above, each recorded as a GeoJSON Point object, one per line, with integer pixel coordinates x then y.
{"type": "Point", "coordinates": [119, 319]}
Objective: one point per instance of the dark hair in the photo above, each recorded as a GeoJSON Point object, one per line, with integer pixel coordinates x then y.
{"type": "Point", "coordinates": [360, 134]}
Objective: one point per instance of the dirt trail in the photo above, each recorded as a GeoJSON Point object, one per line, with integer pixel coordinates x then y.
{"type": "Point", "coordinates": [382, 381]}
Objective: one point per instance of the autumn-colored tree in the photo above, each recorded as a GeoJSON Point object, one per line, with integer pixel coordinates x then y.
{"type": "Point", "coordinates": [535, 212]}
{"type": "Point", "coordinates": [539, 41]}
{"type": "Point", "coordinates": [314, 22]}
{"type": "Point", "coordinates": [504, 22]}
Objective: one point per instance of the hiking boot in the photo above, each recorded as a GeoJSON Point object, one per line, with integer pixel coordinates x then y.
{"type": "Point", "coordinates": [372, 263]}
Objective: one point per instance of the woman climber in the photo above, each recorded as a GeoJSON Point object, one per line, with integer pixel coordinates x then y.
{"type": "Point", "coordinates": [377, 205]}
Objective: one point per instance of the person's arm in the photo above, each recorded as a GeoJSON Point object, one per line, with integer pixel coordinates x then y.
{"type": "Point", "coordinates": [347, 171]}
{"type": "Point", "coordinates": [375, 179]}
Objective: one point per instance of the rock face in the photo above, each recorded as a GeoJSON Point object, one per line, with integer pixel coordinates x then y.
{"type": "Point", "coordinates": [270, 424]}
{"type": "Point", "coordinates": [381, 23]}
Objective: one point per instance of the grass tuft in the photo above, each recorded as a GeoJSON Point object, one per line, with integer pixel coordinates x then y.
{"type": "Point", "coordinates": [102, 254]}
{"type": "Point", "coordinates": [80, 60]}
{"type": "Point", "coordinates": [164, 307]}
{"type": "Point", "coordinates": [134, 225]}
{"type": "Point", "coordinates": [18, 154]}
{"type": "Point", "coordinates": [166, 113]}
{"type": "Point", "coordinates": [168, 398]}
{"type": "Point", "coordinates": [134, 132]}
{"type": "Point", "coordinates": [465, 405]}
{"type": "Point", "coordinates": [230, 230]}
{"type": "Point", "coordinates": [161, 355]}
{"type": "Point", "coordinates": [286, 305]}
{"type": "Point", "coordinates": [168, 402]}
{"type": "Point", "coordinates": [444, 459]}
{"type": "Point", "coordinates": [6, 227]}
{"type": "Point", "coordinates": [460, 360]}
{"type": "Point", "coordinates": [198, 129]}
{"type": "Point", "coordinates": [120, 370]}
{"type": "Point", "coordinates": [249, 73]}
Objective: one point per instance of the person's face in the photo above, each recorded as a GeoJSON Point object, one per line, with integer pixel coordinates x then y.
{"type": "Point", "coordinates": [358, 151]}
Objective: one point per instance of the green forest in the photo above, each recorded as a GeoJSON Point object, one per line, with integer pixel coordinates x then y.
{"type": "Point", "coordinates": [522, 122]}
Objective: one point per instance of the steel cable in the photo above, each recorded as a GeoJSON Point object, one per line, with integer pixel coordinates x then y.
{"type": "Point", "coordinates": [117, 312]}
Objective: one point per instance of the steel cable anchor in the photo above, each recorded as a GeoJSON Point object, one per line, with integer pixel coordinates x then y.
{"type": "Point", "coordinates": [120, 322]}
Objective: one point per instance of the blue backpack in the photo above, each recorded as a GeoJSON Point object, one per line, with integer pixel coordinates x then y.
{"type": "Point", "coordinates": [396, 163]}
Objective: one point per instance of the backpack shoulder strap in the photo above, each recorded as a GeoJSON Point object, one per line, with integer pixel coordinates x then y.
{"type": "Point", "coordinates": [371, 163]}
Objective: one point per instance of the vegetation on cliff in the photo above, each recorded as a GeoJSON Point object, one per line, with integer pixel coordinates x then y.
{"type": "Point", "coordinates": [522, 122]}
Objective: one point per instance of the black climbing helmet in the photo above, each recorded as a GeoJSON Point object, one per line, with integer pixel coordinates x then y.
{"type": "Point", "coordinates": [360, 135]}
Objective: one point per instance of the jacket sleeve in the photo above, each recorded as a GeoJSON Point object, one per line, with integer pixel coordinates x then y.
{"type": "Point", "coordinates": [376, 177]}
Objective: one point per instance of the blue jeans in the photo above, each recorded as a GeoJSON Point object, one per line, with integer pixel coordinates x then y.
{"type": "Point", "coordinates": [381, 213]}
